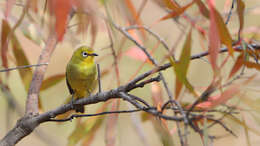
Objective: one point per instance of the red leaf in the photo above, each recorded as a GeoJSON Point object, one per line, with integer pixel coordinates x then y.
{"type": "Point", "coordinates": [61, 10]}
{"type": "Point", "coordinates": [137, 54]}
{"type": "Point", "coordinates": [220, 99]}
{"type": "Point", "coordinates": [214, 41]}
{"type": "Point", "coordinates": [222, 30]}
{"type": "Point", "coordinates": [9, 5]}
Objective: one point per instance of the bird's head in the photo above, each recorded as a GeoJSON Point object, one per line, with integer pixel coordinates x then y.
{"type": "Point", "coordinates": [84, 54]}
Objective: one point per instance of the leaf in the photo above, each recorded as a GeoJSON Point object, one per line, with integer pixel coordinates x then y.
{"type": "Point", "coordinates": [238, 121]}
{"type": "Point", "coordinates": [222, 30]}
{"type": "Point", "coordinates": [21, 59]}
{"type": "Point", "coordinates": [51, 81]}
{"type": "Point", "coordinates": [171, 4]}
{"type": "Point", "coordinates": [220, 99]}
{"type": "Point", "coordinates": [5, 31]}
{"type": "Point", "coordinates": [135, 16]}
{"type": "Point", "coordinates": [181, 67]}
{"type": "Point", "coordinates": [8, 7]}
{"type": "Point", "coordinates": [110, 135]}
{"type": "Point", "coordinates": [87, 129]}
{"type": "Point", "coordinates": [214, 41]}
{"type": "Point", "coordinates": [33, 5]}
{"type": "Point", "coordinates": [249, 64]}
{"type": "Point", "coordinates": [61, 10]}
{"type": "Point", "coordinates": [177, 12]}
{"type": "Point", "coordinates": [137, 54]}
{"type": "Point", "coordinates": [240, 12]}
{"type": "Point", "coordinates": [203, 9]}
{"type": "Point", "coordinates": [238, 64]}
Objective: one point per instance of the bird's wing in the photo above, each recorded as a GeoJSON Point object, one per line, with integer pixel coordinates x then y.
{"type": "Point", "coordinates": [68, 85]}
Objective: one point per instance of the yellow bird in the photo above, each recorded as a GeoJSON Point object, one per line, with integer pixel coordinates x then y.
{"type": "Point", "coordinates": [81, 74]}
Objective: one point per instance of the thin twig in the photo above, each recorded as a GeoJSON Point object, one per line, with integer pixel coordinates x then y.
{"type": "Point", "coordinates": [99, 79]}
{"type": "Point", "coordinates": [230, 11]}
{"type": "Point", "coordinates": [22, 67]}
{"type": "Point", "coordinates": [96, 114]}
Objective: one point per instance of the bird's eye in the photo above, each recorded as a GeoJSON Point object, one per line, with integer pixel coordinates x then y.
{"type": "Point", "coordinates": [84, 54]}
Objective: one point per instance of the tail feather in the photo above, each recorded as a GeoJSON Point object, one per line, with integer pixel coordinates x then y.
{"type": "Point", "coordinates": [79, 108]}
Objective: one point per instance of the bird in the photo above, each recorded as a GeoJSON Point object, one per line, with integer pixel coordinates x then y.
{"type": "Point", "coordinates": [81, 74]}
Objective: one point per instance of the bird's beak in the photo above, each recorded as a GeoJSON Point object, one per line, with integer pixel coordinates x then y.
{"type": "Point", "coordinates": [94, 54]}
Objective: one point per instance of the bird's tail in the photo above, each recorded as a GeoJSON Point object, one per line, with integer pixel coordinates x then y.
{"type": "Point", "coordinates": [79, 108]}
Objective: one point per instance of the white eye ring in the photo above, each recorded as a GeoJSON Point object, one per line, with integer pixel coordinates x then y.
{"type": "Point", "coordinates": [84, 54]}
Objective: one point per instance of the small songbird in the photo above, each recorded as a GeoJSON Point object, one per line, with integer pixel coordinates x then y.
{"type": "Point", "coordinates": [81, 74]}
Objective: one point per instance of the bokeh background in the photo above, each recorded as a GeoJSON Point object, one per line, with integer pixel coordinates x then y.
{"type": "Point", "coordinates": [32, 34]}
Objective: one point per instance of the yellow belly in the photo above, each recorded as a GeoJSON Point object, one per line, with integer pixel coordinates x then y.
{"type": "Point", "coordinates": [81, 79]}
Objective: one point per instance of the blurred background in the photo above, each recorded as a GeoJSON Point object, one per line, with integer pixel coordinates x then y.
{"type": "Point", "coordinates": [130, 129]}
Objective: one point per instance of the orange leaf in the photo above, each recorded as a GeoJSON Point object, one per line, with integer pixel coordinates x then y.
{"type": "Point", "coordinates": [177, 12]}
{"type": "Point", "coordinates": [171, 4]}
{"type": "Point", "coordinates": [156, 91]}
{"type": "Point", "coordinates": [252, 65]}
{"type": "Point", "coordinates": [51, 81]}
{"type": "Point", "coordinates": [238, 64]}
{"type": "Point", "coordinates": [240, 12]}
{"type": "Point", "coordinates": [21, 59]}
{"type": "Point", "coordinates": [135, 15]}
{"type": "Point", "coordinates": [61, 10]}
{"type": "Point", "coordinates": [9, 5]}
{"type": "Point", "coordinates": [203, 9]}
{"type": "Point", "coordinates": [4, 48]}
{"type": "Point", "coordinates": [222, 30]}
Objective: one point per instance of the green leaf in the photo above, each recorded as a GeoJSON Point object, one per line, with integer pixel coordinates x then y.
{"type": "Point", "coordinates": [181, 67]}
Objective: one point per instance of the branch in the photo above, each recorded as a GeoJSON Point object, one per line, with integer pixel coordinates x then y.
{"type": "Point", "coordinates": [33, 94]}
{"type": "Point", "coordinates": [29, 122]}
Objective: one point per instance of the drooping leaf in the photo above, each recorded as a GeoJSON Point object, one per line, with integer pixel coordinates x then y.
{"type": "Point", "coordinates": [21, 59]}
{"type": "Point", "coordinates": [238, 121]}
{"type": "Point", "coordinates": [238, 64]}
{"type": "Point", "coordinates": [249, 64]}
{"type": "Point", "coordinates": [51, 81]}
{"type": "Point", "coordinates": [8, 7]}
{"type": "Point", "coordinates": [171, 4]}
{"type": "Point", "coordinates": [33, 4]}
{"type": "Point", "coordinates": [220, 99]}
{"type": "Point", "coordinates": [4, 35]}
{"type": "Point", "coordinates": [86, 130]}
{"type": "Point", "coordinates": [181, 67]}
{"type": "Point", "coordinates": [177, 12]}
{"type": "Point", "coordinates": [214, 39]}
{"type": "Point", "coordinates": [203, 9]}
{"type": "Point", "coordinates": [135, 16]}
{"type": "Point", "coordinates": [110, 135]}
{"type": "Point", "coordinates": [137, 54]}
{"type": "Point", "coordinates": [240, 12]}
{"type": "Point", "coordinates": [61, 10]}
{"type": "Point", "coordinates": [222, 30]}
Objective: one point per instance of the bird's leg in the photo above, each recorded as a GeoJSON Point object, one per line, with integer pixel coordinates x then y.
{"type": "Point", "coordinates": [72, 102]}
